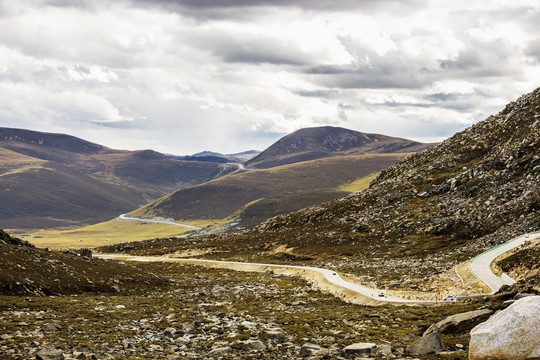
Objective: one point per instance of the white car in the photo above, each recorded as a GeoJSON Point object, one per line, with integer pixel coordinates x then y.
{"type": "Point", "coordinates": [449, 298]}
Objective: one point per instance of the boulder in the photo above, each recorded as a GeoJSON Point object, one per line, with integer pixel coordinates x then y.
{"type": "Point", "coordinates": [49, 353]}
{"type": "Point", "coordinates": [273, 334]}
{"type": "Point", "coordinates": [382, 351]}
{"type": "Point", "coordinates": [511, 334]}
{"type": "Point", "coordinates": [220, 351]}
{"type": "Point", "coordinates": [309, 349]}
{"type": "Point", "coordinates": [359, 349]}
{"type": "Point", "coordinates": [253, 345]}
{"type": "Point", "coordinates": [169, 332]}
{"type": "Point", "coordinates": [428, 344]}
{"type": "Point", "coordinates": [451, 323]}
{"type": "Point", "coordinates": [51, 328]}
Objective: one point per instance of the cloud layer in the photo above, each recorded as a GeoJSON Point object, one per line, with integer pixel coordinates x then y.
{"type": "Point", "coordinates": [181, 76]}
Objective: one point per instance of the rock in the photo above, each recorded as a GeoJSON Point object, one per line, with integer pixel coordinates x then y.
{"type": "Point", "coordinates": [309, 349]}
{"type": "Point", "coordinates": [273, 334]}
{"type": "Point", "coordinates": [49, 353]}
{"type": "Point", "coordinates": [169, 332]}
{"type": "Point", "coordinates": [252, 345]}
{"type": "Point", "coordinates": [451, 323]}
{"type": "Point", "coordinates": [511, 334]}
{"type": "Point", "coordinates": [428, 344]}
{"type": "Point", "coordinates": [522, 295]}
{"type": "Point", "coordinates": [359, 349]}
{"type": "Point", "coordinates": [382, 351]}
{"type": "Point", "coordinates": [51, 328]}
{"type": "Point", "coordinates": [220, 351]}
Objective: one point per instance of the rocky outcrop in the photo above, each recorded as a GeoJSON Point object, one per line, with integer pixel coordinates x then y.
{"type": "Point", "coordinates": [511, 334]}
{"type": "Point", "coordinates": [459, 321]}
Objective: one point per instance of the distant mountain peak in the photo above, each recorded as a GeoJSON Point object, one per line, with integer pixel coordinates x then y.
{"type": "Point", "coordinates": [326, 141]}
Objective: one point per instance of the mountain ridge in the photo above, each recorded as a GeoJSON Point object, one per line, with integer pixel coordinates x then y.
{"type": "Point", "coordinates": [56, 180]}
{"type": "Point", "coordinates": [328, 141]}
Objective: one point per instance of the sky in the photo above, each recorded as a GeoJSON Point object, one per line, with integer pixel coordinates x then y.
{"type": "Point", "coordinates": [184, 76]}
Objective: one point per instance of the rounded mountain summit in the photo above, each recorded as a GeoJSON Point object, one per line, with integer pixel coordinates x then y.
{"type": "Point", "coordinates": [327, 141]}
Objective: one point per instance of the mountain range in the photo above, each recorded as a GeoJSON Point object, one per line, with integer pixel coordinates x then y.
{"type": "Point", "coordinates": [56, 180]}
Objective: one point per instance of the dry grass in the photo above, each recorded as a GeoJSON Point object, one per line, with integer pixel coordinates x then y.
{"type": "Point", "coordinates": [359, 184]}
{"type": "Point", "coordinates": [108, 233]}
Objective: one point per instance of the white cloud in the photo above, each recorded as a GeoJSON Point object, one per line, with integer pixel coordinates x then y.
{"type": "Point", "coordinates": [187, 76]}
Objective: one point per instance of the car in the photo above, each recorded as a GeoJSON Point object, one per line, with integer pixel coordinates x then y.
{"type": "Point", "coordinates": [381, 294]}
{"type": "Point", "coordinates": [449, 298]}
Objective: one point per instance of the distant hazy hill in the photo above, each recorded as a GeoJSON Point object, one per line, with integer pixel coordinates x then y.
{"type": "Point", "coordinates": [321, 142]}
{"type": "Point", "coordinates": [209, 156]}
{"type": "Point", "coordinates": [56, 180]}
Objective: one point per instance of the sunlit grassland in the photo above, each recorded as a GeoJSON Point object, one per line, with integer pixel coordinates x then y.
{"type": "Point", "coordinates": [358, 184]}
{"type": "Point", "coordinates": [110, 232]}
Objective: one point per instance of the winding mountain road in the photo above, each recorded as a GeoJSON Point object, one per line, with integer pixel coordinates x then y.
{"type": "Point", "coordinates": [125, 217]}
{"type": "Point", "coordinates": [480, 265]}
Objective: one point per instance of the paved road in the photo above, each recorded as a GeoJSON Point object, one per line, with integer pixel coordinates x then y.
{"type": "Point", "coordinates": [126, 217]}
{"type": "Point", "coordinates": [480, 265]}
{"type": "Point", "coordinates": [330, 275]}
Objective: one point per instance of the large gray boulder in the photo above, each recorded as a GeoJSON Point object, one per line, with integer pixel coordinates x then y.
{"type": "Point", "coordinates": [428, 344]}
{"type": "Point", "coordinates": [453, 322]}
{"type": "Point", "coordinates": [512, 334]}
{"type": "Point", "coordinates": [49, 353]}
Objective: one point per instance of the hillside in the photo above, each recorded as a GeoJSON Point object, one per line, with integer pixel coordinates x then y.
{"type": "Point", "coordinates": [421, 216]}
{"type": "Point", "coordinates": [321, 142]}
{"type": "Point", "coordinates": [261, 194]}
{"type": "Point", "coordinates": [54, 180]}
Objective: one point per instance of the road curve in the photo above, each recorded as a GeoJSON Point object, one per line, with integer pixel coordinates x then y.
{"type": "Point", "coordinates": [480, 265]}
{"type": "Point", "coordinates": [330, 275]}
{"type": "Point", "coordinates": [125, 217]}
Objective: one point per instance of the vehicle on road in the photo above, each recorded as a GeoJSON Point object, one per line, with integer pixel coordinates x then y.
{"type": "Point", "coordinates": [381, 294]}
{"type": "Point", "coordinates": [449, 298]}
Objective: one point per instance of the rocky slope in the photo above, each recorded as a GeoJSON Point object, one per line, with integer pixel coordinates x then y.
{"type": "Point", "coordinates": [327, 141]}
{"type": "Point", "coordinates": [473, 191]}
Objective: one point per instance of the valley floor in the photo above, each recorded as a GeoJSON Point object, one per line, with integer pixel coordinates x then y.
{"type": "Point", "coordinates": [215, 313]}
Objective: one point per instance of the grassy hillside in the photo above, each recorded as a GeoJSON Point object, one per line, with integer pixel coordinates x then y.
{"type": "Point", "coordinates": [53, 180]}
{"type": "Point", "coordinates": [278, 190]}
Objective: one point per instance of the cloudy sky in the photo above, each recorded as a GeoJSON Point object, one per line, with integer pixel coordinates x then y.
{"type": "Point", "coordinates": [182, 76]}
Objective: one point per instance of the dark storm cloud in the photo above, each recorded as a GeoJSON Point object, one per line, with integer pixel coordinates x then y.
{"type": "Point", "coordinates": [242, 9]}
{"type": "Point", "coordinates": [305, 4]}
